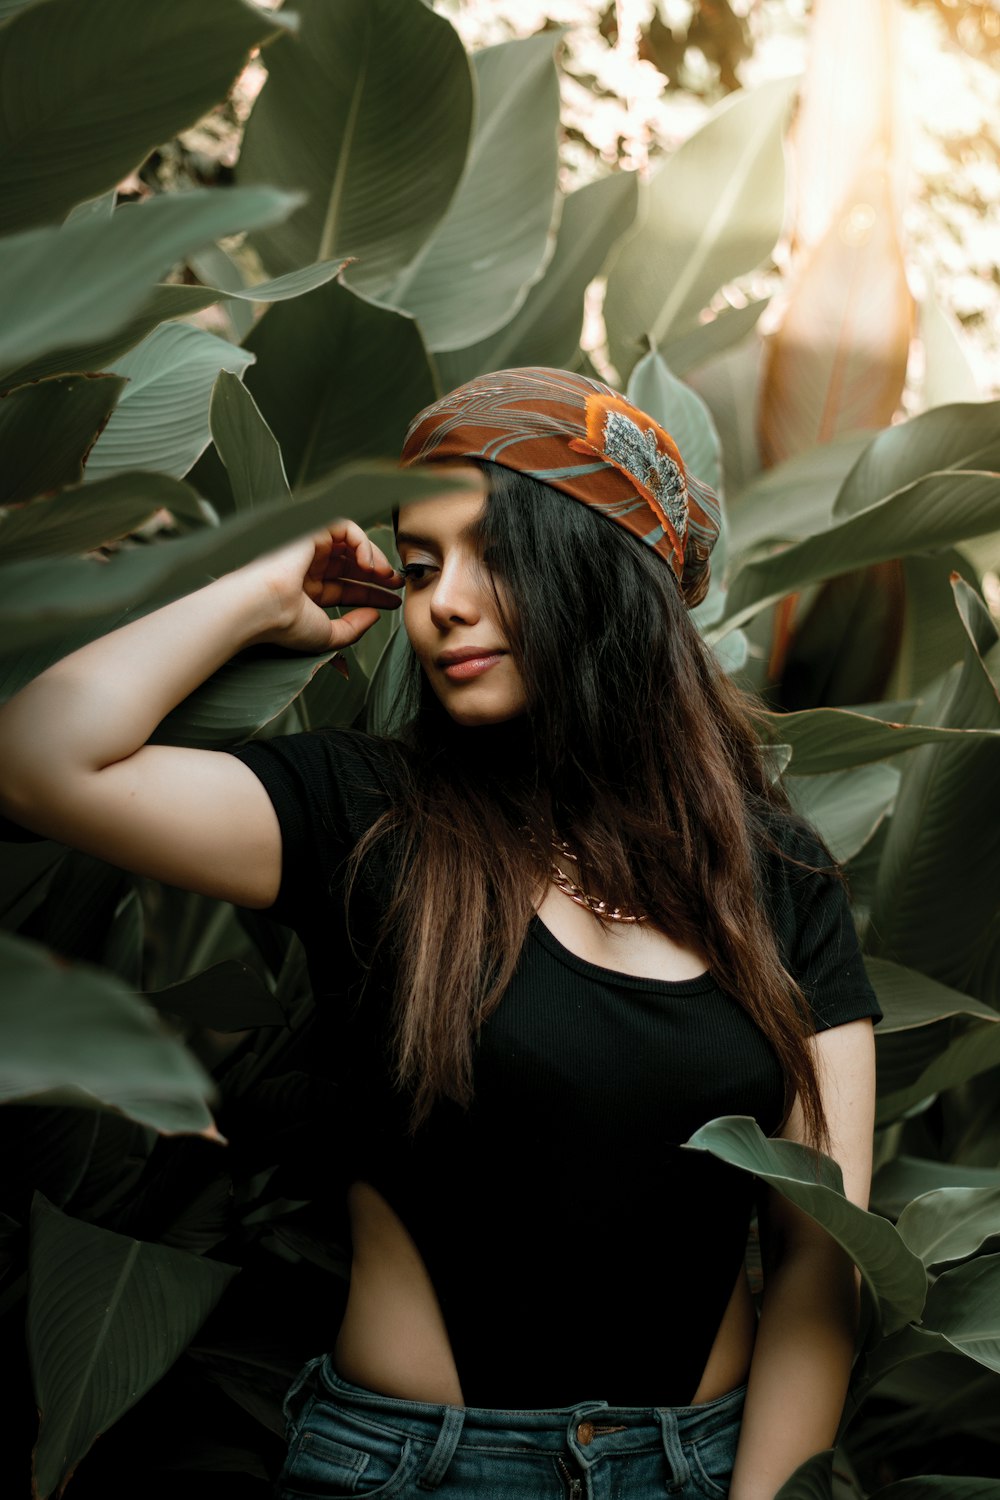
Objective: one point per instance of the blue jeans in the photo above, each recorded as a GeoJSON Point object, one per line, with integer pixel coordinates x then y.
{"type": "Point", "coordinates": [345, 1440]}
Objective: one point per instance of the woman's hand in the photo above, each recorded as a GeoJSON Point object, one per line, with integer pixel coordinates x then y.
{"type": "Point", "coordinates": [336, 566]}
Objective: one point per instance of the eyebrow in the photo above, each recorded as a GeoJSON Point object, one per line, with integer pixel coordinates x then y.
{"type": "Point", "coordinates": [470, 533]}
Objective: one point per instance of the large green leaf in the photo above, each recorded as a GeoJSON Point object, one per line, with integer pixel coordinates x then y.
{"type": "Point", "coordinates": [107, 1316]}
{"type": "Point", "coordinates": [73, 1028]}
{"type": "Point", "coordinates": [47, 430]}
{"type": "Point", "coordinates": [908, 1177]}
{"type": "Point", "coordinates": [910, 999]}
{"type": "Point", "coordinates": [812, 1480]}
{"type": "Point", "coordinates": [161, 422]}
{"type": "Point", "coordinates": [250, 691]}
{"type": "Point", "coordinates": [714, 336]}
{"type": "Point", "coordinates": [88, 93]}
{"type": "Point", "coordinates": [964, 1306]}
{"type": "Point", "coordinates": [935, 899]}
{"type": "Point", "coordinates": [794, 499]}
{"type": "Point", "coordinates": [714, 211]}
{"type": "Point", "coordinates": [951, 1223]}
{"type": "Point", "coordinates": [245, 444]}
{"type": "Point", "coordinates": [81, 519]}
{"type": "Point", "coordinates": [963, 436]}
{"type": "Point", "coordinates": [846, 807]}
{"type": "Point", "coordinates": [474, 270]}
{"type": "Point", "coordinates": [934, 511]}
{"type": "Point", "coordinates": [40, 603]}
{"type": "Point", "coordinates": [895, 1275]}
{"type": "Point", "coordinates": [823, 740]}
{"type": "Point", "coordinates": [917, 1064]}
{"type": "Point", "coordinates": [82, 282]}
{"type": "Point", "coordinates": [383, 699]}
{"type": "Point", "coordinates": [338, 377]}
{"type": "Point", "coordinates": [370, 114]}
{"type": "Point", "coordinates": [546, 328]}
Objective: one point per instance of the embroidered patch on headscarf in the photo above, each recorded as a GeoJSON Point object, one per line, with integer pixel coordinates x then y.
{"type": "Point", "coordinates": [544, 422]}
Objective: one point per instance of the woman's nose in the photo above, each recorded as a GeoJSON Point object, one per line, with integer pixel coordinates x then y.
{"type": "Point", "coordinates": [455, 599]}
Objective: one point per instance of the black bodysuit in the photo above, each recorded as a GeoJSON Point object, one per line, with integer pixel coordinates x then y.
{"type": "Point", "coordinates": [577, 1250]}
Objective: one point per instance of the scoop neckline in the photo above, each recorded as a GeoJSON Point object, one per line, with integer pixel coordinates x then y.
{"type": "Point", "coordinates": [698, 985]}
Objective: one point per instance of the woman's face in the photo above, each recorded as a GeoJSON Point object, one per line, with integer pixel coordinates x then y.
{"type": "Point", "coordinates": [449, 612]}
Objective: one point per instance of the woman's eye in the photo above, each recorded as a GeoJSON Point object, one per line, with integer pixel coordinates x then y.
{"type": "Point", "coordinates": [414, 572]}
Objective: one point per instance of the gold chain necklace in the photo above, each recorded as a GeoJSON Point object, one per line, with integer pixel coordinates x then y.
{"type": "Point", "coordinates": [576, 893]}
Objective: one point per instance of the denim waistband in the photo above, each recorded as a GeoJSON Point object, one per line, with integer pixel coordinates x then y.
{"type": "Point", "coordinates": [589, 1429]}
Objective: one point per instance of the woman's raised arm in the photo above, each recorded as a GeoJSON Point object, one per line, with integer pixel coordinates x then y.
{"type": "Point", "coordinates": [74, 762]}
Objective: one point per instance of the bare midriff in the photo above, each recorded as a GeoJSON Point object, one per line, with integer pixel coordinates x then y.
{"type": "Point", "coordinates": [393, 1337]}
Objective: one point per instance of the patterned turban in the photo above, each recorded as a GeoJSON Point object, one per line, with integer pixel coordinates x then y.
{"type": "Point", "coordinates": [581, 437]}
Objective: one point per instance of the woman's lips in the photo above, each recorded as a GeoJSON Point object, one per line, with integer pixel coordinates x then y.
{"type": "Point", "coordinates": [473, 666]}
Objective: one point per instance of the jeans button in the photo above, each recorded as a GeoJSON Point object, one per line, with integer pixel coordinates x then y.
{"type": "Point", "coordinates": [585, 1434]}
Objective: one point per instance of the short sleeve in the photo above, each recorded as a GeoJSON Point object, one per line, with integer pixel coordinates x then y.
{"type": "Point", "coordinates": [327, 786]}
{"type": "Point", "coordinates": [816, 933]}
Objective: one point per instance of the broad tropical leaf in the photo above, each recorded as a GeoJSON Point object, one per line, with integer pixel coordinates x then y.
{"type": "Point", "coordinates": [935, 511]}
{"type": "Point", "coordinates": [963, 436]}
{"type": "Point", "coordinates": [655, 389]}
{"type": "Point", "coordinates": [72, 1028]}
{"type": "Point", "coordinates": [338, 377]}
{"type": "Point", "coordinates": [47, 430]}
{"type": "Point", "coordinates": [729, 176]}
{"type": "Point", "coordinates": [80, 519]}
{"type": "Point", "coordinates": [546, 328]}
{"type": "Point", "coordinates": [80, 283]}
{"type": "Point", "coordinates": [907, 1177]}
{"type": "Point", "coordinates": [811, 1480]}
{"type": "Point", "coordinates": [369, 112]}
{"type": "Point", "coordinates": [714, 336]}
{"type": "Point", "coordinates": [39, 603]}
{"type": "Point", "coordinates": [107, 1316]}
{"type": "Point", "coordinates": [964, 1306]}
{"type": "Point", "coordinates": [829, 739]}
{"type": "Point", "coordinates": [794, 499]}
{"type": "Point", "coordinates": [896, 1277]}
{"type": "Point", "coordinates": [245, 444]}
{"type": "Point", "coordinates": [161, 421]}
{"type": "Point", "coordinates": [846, 807]}
{"type": "Point", "coordinates": [121, 90]}
{"type": "Point", "coordinates": [948, 372]}
{"type": "Point", "coordinates": [475, 269]}
{"type": "Point", "coordinates": [950, 1223]}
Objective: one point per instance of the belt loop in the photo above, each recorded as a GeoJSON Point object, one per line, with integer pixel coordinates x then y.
{"type": "Point", "coordinates": [444, 1449]}
{"type": "Point", "coordinates": [679, 1470]}
{"type": "Point", "coordinates": [288, 1405]}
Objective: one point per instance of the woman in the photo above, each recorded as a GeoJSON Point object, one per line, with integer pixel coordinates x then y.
{"type": "Point", "coordinates": [565, 919]}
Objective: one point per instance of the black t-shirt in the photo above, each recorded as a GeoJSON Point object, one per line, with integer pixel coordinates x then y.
{"type": "Point", "coordinates": [577, 1251]}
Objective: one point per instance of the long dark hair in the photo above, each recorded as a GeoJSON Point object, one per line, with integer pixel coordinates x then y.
{"type": "Point", "coordinates": [635, 748]}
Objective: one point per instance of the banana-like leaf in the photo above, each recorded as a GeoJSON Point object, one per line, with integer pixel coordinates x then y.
{"type": "Point", "coordinates": [964, 1306]}
{"type": "Point", "coordinates": [39, 603]}
{"type": "Point", "coordinates": [717, 334]}
{"type": "Point", "coordinates": [161, 421]}
{"type": "Point", "coordinates": [474, 270]}
{"type": "Point", "coordinates": [951, 1223]}
{"type": "Point", "coordinates": [812, 1480]}
{"type": "Point", "coordinates": [728, 384]}
{"type": "Point", "coordinates": [107, 1317]}
{"type": "Point", "coordinates": [250, 691]}
{"type": "Point", "coordinates": [546, 328]}
{"type": "Point", "coordinates": [937, 510]}
{"type": "Point", "coordinates": [910, 999]}
{"type": "Point", "coordinates": [369, 113]}
{"type": "Point", "coordinates": [794, 499]}
{"type": "Point", "coordinates": [963, 436]}
{"type": "Point", "coordinates": [172, 301]}
{"type": "Point", "coordinates": [933, 638]}
{"type": "Point", "coordinates": [47, 430]}
{"type": "Point", "coordinates": [894, 1274]}
{"type": "Point", "coordinates": [81, 283]}
{"type": "Point", "coordinates": [655, 389]}
{"type": "Point", "coordinates": [246, 444]}
{"type": "Point", "coordinates": [846, 807]}
{"type": "Point", "coordinates": [121, 89]}
{"type": "Point", "coordinates": [937, 877]}
{"type": "Point", "coordinates": [714, 211]}
{"type": "Point", "coordinates": [70, 1027]}
{"type": "Point", "coordinates": [338, 378]}
{"type": "Point", "coordinates": [80, 519]}
{"type": "Point", "coordinates": [914, 1065]}
{"type": "Point", "coordinates": [907, 1177]}
{"type": "Point", "coordinates": [838, 358]}
{"type": "Point", "coordinates": [384, 697]}
{"type": "Point", "coordinates": [948, 372]}
{"type": "Point", "coordinates": [823, 740]}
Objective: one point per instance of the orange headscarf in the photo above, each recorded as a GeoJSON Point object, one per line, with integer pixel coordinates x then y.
{"type": "Point", "coordinates": [581, 437]}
